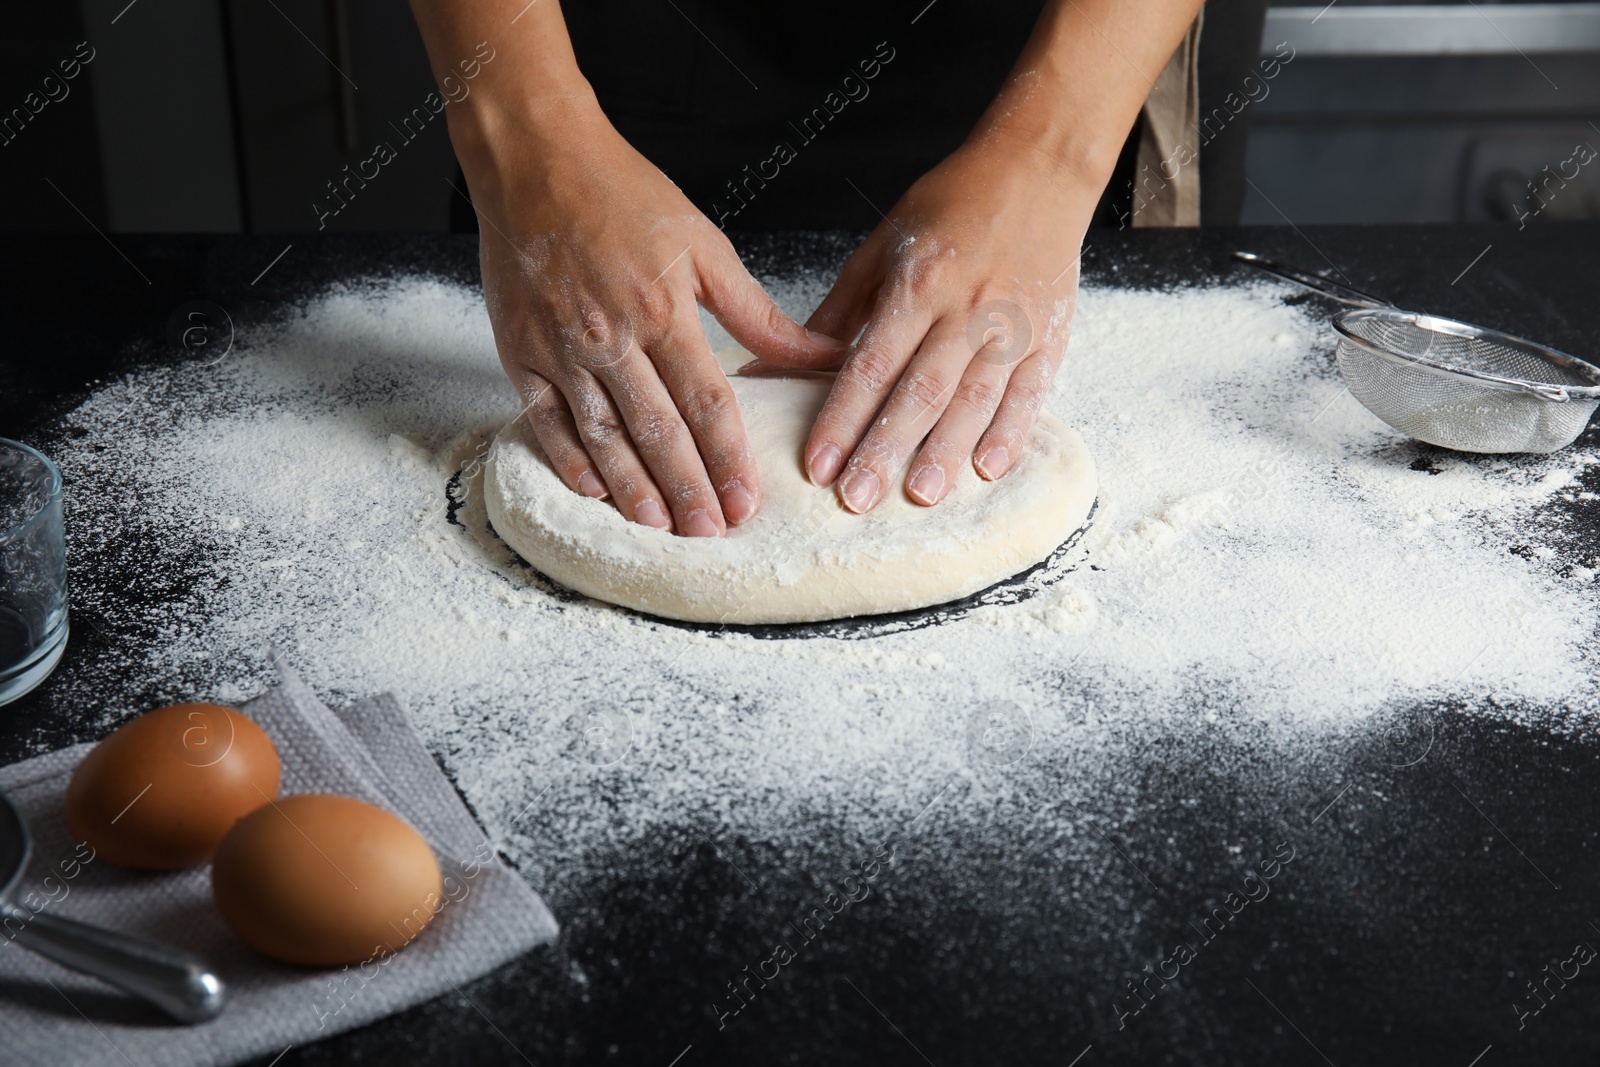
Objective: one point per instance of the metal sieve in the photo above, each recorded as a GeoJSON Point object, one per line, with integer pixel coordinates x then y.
{"type": "Point", "coordinates": [1451, 383]}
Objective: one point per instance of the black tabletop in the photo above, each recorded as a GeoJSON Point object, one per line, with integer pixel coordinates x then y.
{"type": "Point", "coordinates": [1408, 930]}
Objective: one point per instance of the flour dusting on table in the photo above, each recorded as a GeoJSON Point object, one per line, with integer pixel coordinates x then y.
{"type": "Point", "coordinates": [1270, 571]}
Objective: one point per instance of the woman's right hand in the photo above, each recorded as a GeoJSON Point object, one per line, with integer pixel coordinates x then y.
{"type": "Point", "coordinates": [593, 266]}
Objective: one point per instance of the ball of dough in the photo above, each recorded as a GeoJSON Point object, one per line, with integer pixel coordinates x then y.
{"type": "Point", "coordinates": [803, 558]}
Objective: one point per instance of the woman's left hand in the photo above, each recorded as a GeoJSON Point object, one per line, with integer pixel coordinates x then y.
{"type": "Point", "coordinates": [958, 307]}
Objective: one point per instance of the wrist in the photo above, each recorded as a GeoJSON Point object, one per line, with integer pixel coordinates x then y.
{"type": "Point", "coordinates": [492, 133]}
{"type": "Point", "coordinates": [1071, 150]}
{"type": "Point", "coordinates": [1064, 188]}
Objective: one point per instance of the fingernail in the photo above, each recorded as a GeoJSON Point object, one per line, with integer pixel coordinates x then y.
{"type": "Point", "coordinates": [860, 490]}
{"type": "Point", "coordinates": [823, 340]}
{"type": "Point", "coordinates": [926, 483]}
{"type": "Point", "coordinates": [993, 463]}
{"type": "Point", "coordinates": [737, 503]}
{"type": "Point", "coordinates": [589, 485]}
{"type": "Point", "coordinates": [825, 464]}
{"type": "Point", "coordinates": [752, 365]}
{"type": "Point", "coordinates": [650, 513]}
{"type": "Point", "coordinates": [699, 524]}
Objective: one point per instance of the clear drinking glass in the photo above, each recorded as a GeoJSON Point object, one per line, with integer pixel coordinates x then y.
{"type": "Point", "coordinates": [33, 570]}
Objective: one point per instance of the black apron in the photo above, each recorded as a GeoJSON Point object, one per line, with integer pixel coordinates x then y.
{"type": "Point", "coordinates": [819, 116]}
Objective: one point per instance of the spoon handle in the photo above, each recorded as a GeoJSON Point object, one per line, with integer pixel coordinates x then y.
{"type": "Point", "coordinates": [180, 984]}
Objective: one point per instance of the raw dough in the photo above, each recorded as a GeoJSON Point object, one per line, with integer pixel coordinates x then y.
{"type": "Point", "coordinates": [803, 558]}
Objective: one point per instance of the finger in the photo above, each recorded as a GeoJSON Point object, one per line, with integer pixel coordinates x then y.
{"type": "Point", "coordinates": [551, 421]}
{"type": "Point", "coordinates": [848, 304]}
{"type": "Point", "coordinates": [758, 368]}
{"type": "Point", "coordinates": [949, 446]}
{"type": "Point", "coordinates": [874, 365]}
{"type": "Point", "coordinates": [745, 310]}
{"type": "Point", "coordinates": [1002, 442]}
{"type": "Point", "coordinates": [914, 406]}
{"type": "Point", "coordinates": [664, 443]}
{"type": "Point", "coordinates": [701, 392]}
{"type": "Point", "coordinates": [605, 436]}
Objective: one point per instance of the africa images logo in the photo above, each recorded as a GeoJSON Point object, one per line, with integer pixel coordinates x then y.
{"type": "Point", "coordinates": [787, 950]}
{"type": "Point", "coordinates": [852, 89]}
{"type": "Point", "coordinates": [1256, 888]}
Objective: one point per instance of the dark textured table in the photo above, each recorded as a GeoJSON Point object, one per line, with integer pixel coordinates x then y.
{"type": "Point", "coordinates": [1404, 936]}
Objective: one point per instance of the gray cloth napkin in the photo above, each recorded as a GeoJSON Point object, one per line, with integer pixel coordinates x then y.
{"type": "Point", "coordinates": [49, 1015]}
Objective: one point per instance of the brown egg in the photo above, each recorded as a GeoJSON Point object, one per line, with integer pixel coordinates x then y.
{"type": "Point", "coordinates": [325, 880]}
{"type": "Point", "coordinates": [164, 790]}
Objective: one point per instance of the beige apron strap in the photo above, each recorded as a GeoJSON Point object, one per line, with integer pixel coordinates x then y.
{"type": "Point", "coordinates": [1166, 184]}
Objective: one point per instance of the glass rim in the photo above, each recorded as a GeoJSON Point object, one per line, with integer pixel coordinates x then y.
{"type": "Point", "coordinates": [53, 496]}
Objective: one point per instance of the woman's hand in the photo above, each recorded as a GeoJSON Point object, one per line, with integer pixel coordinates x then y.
{"type": "Point", "coordinates": [958, 306]}
{"type": "Point", "coordinates": [593, 264]}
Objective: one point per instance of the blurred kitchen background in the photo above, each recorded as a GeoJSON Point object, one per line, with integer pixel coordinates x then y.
{"type": "Point", "coordinates": [231, 115]}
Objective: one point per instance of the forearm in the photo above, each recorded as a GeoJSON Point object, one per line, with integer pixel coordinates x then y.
{"type": "Point", "coordinates": [533, 86]}
{"type": "Point", "coordinates": [1076, 89]}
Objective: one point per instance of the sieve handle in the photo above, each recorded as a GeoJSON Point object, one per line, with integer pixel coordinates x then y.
{"type": "Point", "coordinates": [1315, 282]}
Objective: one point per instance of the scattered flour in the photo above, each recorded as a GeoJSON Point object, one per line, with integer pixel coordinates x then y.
{"type": "Point", "coordinates": [1269, 565]}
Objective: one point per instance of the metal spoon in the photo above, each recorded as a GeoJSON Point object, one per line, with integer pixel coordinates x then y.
{"type": "Point", "coordinates": [180, 984]}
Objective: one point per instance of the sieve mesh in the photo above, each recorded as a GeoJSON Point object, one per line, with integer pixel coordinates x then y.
{"type": "Point", "coordinates": [1451, 383]}
{"type": "Point", "coordinates": [1421, 337]}
{"type": "Point", "coordinates": [1451, 403]}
